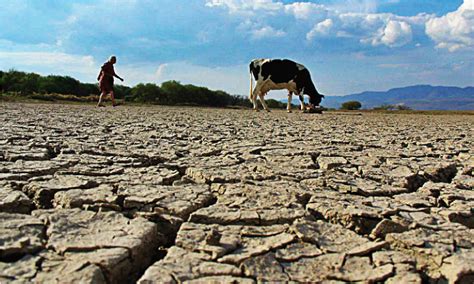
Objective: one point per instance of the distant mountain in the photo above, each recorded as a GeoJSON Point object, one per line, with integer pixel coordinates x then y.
{"type": "Point", "coordinates": [420, 97]}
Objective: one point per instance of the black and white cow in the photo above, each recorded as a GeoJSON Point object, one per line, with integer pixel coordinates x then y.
{"type": "Point", "coordinates": [277, 74]}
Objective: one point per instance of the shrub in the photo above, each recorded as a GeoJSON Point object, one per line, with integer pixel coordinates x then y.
{"type": "Point", "coordinates": [392, 107]}
{"type": "Point", "coordinates": [403, 107]}
{"type": "Point", "coordinates": [351, 105]}
{"type": "Point", "coordinates": [384, 107]}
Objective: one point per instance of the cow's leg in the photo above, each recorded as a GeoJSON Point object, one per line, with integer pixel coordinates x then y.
{"type": "Point", "coordinates": [288, 106]}
{"type": "Point", "coordinates": [254, 97]}
{"type": "Point", "coordinates": [302, 107]}
{"type": "Point", "coordinates": [261, 95]}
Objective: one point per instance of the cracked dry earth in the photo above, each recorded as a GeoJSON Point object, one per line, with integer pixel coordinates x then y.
{"type": "Point", "coordinates": [160, 194]}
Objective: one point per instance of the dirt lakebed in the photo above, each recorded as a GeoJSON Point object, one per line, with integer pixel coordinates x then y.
{"type": "Point", "coordinates": [181, 194]}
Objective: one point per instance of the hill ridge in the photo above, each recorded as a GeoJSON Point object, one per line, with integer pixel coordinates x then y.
{"type": "Point", "coordinates": [419, 97]}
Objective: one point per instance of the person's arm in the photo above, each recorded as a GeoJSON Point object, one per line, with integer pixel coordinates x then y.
{"type": "Point", "coordinates": [120, 78]}
{"type": "Point", "coordinates": [112, 75]}
{"type": "Point", "coordinates": [115, 74]}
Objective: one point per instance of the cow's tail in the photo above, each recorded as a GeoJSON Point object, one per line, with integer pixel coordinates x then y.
{"type": "Point", "coordinates": [251, 86]}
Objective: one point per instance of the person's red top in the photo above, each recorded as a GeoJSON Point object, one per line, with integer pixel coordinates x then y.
{"type": "Point", "coordinates": [108, 70]}
{"type": "Point", "coordinates": [106, 77]}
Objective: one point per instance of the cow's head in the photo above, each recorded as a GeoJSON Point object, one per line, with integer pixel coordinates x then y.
{"type": "Point", "coordinates": [315, 99]}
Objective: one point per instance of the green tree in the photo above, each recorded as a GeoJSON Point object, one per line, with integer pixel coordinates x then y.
{"type": "Point", "coordinates": [174, 92]}
{"type": "Point", "coordinates": [59, 84]}
{"type": "Point", "coordinates": [87, 89]}
{"type": "Point", "coordinates": [150, 93]}
{"type": "Point", "coordinates": [122, 92]}
{"type": "Point", "coordinates": [1, 81]}
{"type": "Point", "coordinates": [351, 105]}
{"type": "Point", "coordinates": [12, 81]}
{"type": "Point", "coordinates": [170, 92]}
{"type": "Point", "coordinates": [29, 83]}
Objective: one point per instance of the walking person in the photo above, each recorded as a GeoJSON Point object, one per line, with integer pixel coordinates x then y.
{"type": "Point", "coordinates": [106, 80]}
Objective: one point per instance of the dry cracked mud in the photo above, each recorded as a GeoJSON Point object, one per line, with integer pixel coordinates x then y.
{"type": "Point", "coordinates": [199, 195]}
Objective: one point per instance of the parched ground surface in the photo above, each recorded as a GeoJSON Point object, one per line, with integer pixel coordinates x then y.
{"type": "Point", "coordinates": [157, 194]}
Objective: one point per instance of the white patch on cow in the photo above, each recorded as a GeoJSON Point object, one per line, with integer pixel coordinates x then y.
{"type": "Point", "coordinates": [270, 85]}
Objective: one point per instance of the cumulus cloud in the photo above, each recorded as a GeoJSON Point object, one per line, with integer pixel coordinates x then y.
{"type": "Point", "coordinates": [454, 30]}
{"type": "Point", "coordinates": [394, 34]}
{"type": "Point", "coordinates": [370, 29]}
{"type": "Point", "coordinates": [259, 31]}
{"type": "Point", "coordinates": [355, 6]}
{"type": "Point", "coordinates": [305, 10]}
{"type": "Point", "coordinates": [301, 9]}
{"type": "Point", "coordinates": [322, 28]}
{"type": "Point", "coordinates": [354, 20]}
{"type": "Point", "coordinates": [246, 6]}
{"type": "Point", "coordinates": [266, 32]}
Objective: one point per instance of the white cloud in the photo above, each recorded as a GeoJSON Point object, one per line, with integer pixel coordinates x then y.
{"type": "Point", "coordinates": [353, 19]}
{"type": "Point", "coordinates": [322, 28]}
{"type": "Point", "coordinates": [246, 6]}
{"type": "Point", "coordinates": [81, 67]}
{"type": "Point", "coordinates": [230, 4]}
{"type": "Point", "coordinates": [258, 31]}
{"type": "Point", "coordinates": [62, 61]}
{"type": "Point", "coordinates": [394, 34]}
{"type": "Point", "coordinates": [454, 30]}
{"type": "Point", "coordinates": [266, 32]}
{"type": "Point", "coordinates": [372, 29]}
{"type": "Point", "coordinates": [355, 6]}
{"type": "Point", "coordinates": [394, 65]}
{"type": "Point", "coordinates": [160, 71]}
{"type": "Point", "coordinates": [305, 10]}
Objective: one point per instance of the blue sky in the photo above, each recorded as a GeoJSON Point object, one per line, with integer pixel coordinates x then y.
{"type": "Point", "coordinates": [349, 46]}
